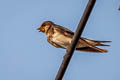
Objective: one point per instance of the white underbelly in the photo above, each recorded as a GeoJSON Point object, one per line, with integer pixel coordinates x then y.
{"type": "Point", "coordinates": [64, 41]}
{"type": "Point", "coordinates": [61, 40]}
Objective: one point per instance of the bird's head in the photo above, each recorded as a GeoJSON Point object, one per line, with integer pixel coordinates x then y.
{"type": "Point", "coordinates": [44, 27]}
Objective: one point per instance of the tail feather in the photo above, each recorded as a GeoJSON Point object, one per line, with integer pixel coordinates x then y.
{"type": "Point", "coordinates": [102, 41]}
{"type": "Point", "coordinates": [89, 49]}
{"type": "Point", "coordinates": [97, 42]}
{"type": "Point", "coordinates": [102, 45]}
{"type": "Point", "coordinates": [91, 46]}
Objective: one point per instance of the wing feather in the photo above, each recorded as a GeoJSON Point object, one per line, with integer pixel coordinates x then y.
{"type": "Point", "coordinates": [64, 31]}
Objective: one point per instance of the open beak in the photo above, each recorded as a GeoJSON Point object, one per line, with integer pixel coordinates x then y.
{"type": "Point", "coordinates": [38, 29]}
{"type": "Point", "coordinates": [41, 29]}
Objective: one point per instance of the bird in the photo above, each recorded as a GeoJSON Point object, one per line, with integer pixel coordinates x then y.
{"type": "Point", "coordinates": [61, 37]}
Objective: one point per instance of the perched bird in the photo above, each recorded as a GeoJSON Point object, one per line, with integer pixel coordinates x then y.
{"type": "Point", "coordinates": [61, 37]}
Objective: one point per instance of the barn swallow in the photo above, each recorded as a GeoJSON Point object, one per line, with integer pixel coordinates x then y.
{"type": "Point", "coordinates": [61, 37]}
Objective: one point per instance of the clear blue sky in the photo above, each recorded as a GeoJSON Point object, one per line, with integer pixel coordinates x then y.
{"type": "Point", "coordinates": [25, 53]}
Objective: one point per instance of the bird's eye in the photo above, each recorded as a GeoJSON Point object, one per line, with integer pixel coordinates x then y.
{"type": "Point", "coordinates": [43, 24]}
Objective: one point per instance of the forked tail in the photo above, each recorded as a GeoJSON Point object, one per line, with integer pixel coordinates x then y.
{"type": "Point", "coordinates": [91, 45]}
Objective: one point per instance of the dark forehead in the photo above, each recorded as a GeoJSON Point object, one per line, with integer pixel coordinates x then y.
{"type": "Point", "coordinates": [47, 23]}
